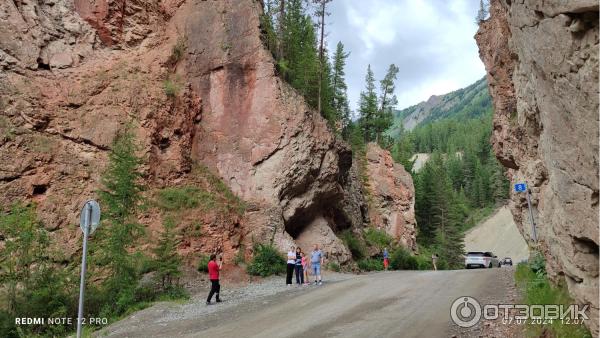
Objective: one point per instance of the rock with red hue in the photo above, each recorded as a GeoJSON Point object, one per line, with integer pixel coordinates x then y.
{"type": "Point", "coordinates": [542, 69]}
{"type": "Point", "coordinates": [215, 117]}
{"type": "Point", "coordinates": [393, 197]}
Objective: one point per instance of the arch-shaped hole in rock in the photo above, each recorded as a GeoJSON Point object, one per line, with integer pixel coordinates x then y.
{"type": "Point", "coordinates": [336, 218]}
{"type": "Point", "coordinates": [39, 189]}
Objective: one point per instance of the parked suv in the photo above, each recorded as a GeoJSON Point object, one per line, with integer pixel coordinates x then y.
{"type": "Point", "coordinates": [480, 259]}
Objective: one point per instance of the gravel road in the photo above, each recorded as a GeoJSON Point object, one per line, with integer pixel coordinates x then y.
{"type": "Point", "coordinates": [385, 304]}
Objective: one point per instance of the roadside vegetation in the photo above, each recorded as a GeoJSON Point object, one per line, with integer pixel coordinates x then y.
{"type": "Point", "coordinates": [533, 282]}
{"type": "Point", "coordinates": [32, 285]}
{"type": "Point", "coordinates": [267, 261]}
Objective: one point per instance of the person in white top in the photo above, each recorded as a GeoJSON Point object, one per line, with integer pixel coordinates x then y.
{"type": "Point", "coordinates": [291, 264]}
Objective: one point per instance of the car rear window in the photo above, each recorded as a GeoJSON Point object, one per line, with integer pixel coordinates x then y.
{"type": "Point", "coordinates": [474, 253]}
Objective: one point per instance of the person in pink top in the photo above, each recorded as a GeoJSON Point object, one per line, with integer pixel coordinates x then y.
{"type": "Point", "coordinates": [304, 267]}
{"type": "Point", "coordinates": [213, 275]}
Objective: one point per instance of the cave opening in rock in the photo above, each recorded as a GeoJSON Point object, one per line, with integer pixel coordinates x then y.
{"type": "Point", "coordinates": [39, 189]}
{"type": "Point", "coordinates": [336, 219]}
{"type": "Point", "coordinates": [42, 65]}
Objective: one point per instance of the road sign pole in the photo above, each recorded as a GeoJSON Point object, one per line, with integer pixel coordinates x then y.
{"type": "Point", "coordinates": [533, 231]}
{"type": "Point", "coordinates": [86, 230]}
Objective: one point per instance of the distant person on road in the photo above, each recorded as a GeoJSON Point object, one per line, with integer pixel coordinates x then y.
{"type": "Point", "coordinates": [386, 261]}
{"type": "Point", "coordinates": [291, 264]}
{"type": "Point", "coordinates": [298, 268]}
{"type": "Point", "coordinates": [316, 260]}
{"type": "Point", "coordinates": [213, 275]}
{"type": "Point", "coordinates": [305, 268]}
{"type": "Point", "coordinates": [434, 258]}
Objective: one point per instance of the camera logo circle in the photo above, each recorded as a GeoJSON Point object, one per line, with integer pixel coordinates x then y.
{"type": "Point", "coordinates": [465, 311]}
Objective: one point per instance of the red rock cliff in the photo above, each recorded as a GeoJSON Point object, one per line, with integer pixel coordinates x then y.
{"type": "Point", "coordinates": [542, 70]}
{"type": "Point", "coordinates": [79, 71]}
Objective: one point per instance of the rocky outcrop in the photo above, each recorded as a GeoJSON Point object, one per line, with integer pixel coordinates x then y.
{"type": "Point", "coordinates": [392, 206]}
{"type": "Point", "coordinates": [199, 89]}
{"type": "Point", "coordinates": [542, 70]}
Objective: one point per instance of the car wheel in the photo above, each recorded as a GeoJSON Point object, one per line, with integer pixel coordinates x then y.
{"type": "Point", "coordinates": [490, 266]}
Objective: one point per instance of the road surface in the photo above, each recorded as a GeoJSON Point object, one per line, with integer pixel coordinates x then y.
{"type": "Point", "coordinates": [385, 304]}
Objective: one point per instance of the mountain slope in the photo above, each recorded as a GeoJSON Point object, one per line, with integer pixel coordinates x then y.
{"type": "Point", "coordinates": [468, 102]}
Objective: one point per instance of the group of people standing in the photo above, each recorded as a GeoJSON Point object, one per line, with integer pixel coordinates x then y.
{"type": "Point", "coordinates": [300, 264]}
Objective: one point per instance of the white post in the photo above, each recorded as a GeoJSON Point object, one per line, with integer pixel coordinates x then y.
{"type": "Point", "coordinates": [533, 231]}
{"type": "Point", "coordinates": [86, 231]}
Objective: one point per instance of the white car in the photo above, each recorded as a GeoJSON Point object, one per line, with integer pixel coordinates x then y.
{"type": "Point", "coordinates": [479, 259]}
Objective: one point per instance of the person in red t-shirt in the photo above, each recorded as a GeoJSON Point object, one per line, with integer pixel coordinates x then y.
{"type": "Point", "coordinates": [213, 275]}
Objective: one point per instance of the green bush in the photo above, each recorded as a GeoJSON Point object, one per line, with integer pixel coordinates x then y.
{"type": "Point", "coordinates": [8, 329]}
{"type": "Point", "coordinates": [333, 266]}
{"type": "Point", "coordinates": [266, 261]}
{"type": "Point", "coordinates": [370, 264]}
{"type": "Point", "coordinates": [424, 263]}
{"type": "Point", "coordinates": [401, 259]}
{"type": "Point", "coordinates": [538, 264]}
{"type": "Point", "coordinates": [186, 197]}
{"type": "Point", "coordinates": [355, 245]}
{"type": "Point", "coordinates": [378, 238]}
{"type": "Point", "coordinates": [203, 263]}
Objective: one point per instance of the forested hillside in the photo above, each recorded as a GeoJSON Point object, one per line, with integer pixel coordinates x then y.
{"type": "Point", "coordinates": [462, 181]}
{"type": "Point", "coordinates": [468, 102]}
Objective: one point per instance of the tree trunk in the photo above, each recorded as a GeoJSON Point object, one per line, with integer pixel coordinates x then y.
{"type": "Point", "coordinates": [280, 32]}
{"type": "Point", "coordinates": [321, 53]}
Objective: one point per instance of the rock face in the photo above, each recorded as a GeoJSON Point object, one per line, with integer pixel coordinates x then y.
{"type": "Point", "coordinates": [200, 91]}
{"type": "Point", "coordinates": [542, 64]}
{"type": "Point", "coordinates": [393, 197]}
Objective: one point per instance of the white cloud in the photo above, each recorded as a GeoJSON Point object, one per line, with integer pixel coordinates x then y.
{"type": "Point", "coordinates": [431, 41]}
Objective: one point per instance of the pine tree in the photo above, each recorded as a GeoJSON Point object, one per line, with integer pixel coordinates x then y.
{"type": "Point", "coordinates": [403, 151]}
{"type": "Point", "coordinates": [167, 259]}
{"type": "Point", "coordinates": [339, 89]}
{"type": "Point", "coordinates": [482, 13]}
{"type": "Point", "coordinates": [387, 101]}
{"type": "Point", "coordinates": [120, 199]}
{"type": "Point", "coordinates": [300, 64]}
{"type": "Point", "coordinates": [368, 107]}
{"type": "Point", "coordinates": [321, 13]}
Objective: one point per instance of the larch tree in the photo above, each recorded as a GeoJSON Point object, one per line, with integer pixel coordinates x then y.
{"type": "Point", "coordinates": [387, 102]}
{"type": "Point", "coordinates": [368, 107]}
{"type": "Point", "coordinates": [321, 13]}
{"type": "Point", "coordinates": [339, 88]}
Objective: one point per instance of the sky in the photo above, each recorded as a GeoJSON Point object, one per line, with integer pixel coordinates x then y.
{"type": "Point", "coordinates": [431, 41]}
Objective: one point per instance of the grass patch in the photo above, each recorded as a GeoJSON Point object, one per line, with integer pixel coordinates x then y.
{"type": "Point", "coordinates": [354, 244]}
{"type": "Point", "coordinates": [266, 261]}
{"type": "Point", "coordinates": [333, 266]}
{"type": "Point", "coordinates": [232, 201]}
{"type": "Point", "coordinates": [178, 50]}
{"type": "Point", "coordinates": [536, 288]}
{"type": "Point", "coordinates": [186, 197]}
{"type": "Point", "coordinates": [378, 238]}
{"type": "Point", "coordinates": [171, 87]}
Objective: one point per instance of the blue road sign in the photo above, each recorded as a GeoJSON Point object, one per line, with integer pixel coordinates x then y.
{"type": "Point", "coordinates": [520, 187]}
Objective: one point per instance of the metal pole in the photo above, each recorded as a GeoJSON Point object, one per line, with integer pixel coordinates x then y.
{"type": "Point", "coordinates": [86, 230]}
{"type": "Point", "coordinates": [533, 232]}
